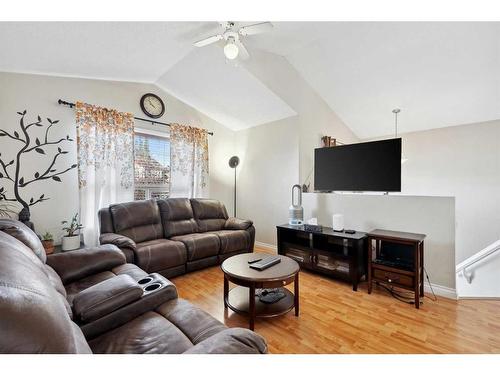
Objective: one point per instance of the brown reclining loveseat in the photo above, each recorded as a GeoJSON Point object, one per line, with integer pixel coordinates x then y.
{"type": "Point", "coordinates": [91, 300]}
{"type": "Point", "coordinates": [175, 235]}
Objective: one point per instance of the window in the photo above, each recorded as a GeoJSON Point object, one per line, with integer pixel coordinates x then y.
{"type": "Point", "coordinates": [151, 165]}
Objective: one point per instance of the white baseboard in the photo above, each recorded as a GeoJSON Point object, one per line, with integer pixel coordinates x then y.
{"type": "Point", "coordinates": [442, 291]}
{"type": "Point", "coordinates": [266, 246]}
{"type": "Point", "coordinates": [439, 290]}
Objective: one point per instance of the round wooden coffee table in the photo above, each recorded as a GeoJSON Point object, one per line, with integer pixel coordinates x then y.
{"type": "Point", "coordinates": [242, 299]}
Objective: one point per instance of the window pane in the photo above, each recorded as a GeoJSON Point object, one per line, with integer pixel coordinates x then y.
{"type": "Point", "coordinates": [152, 166]}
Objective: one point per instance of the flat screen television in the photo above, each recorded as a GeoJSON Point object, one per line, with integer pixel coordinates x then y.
{"type": "Point", "coordinates": [368, 166]}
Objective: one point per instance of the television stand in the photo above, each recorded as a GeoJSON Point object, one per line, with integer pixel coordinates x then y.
{"type": "Point", "coordinates": [402, 264]}
{"type": "Point", "coordinates": [337, 254]}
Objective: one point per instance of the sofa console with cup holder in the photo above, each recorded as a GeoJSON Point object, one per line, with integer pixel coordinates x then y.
{"type": "Point", "coordinates": [92, 301]}
{"type": "Point", "coordinates": [175, 235]}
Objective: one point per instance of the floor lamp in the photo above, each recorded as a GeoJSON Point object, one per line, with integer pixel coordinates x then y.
{"type": "Point", "coordinates": [233, 163]}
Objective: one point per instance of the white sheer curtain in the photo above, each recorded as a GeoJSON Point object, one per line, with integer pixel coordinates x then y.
{"type": "Point", "coordinates": [105, 141]}
{"type": "Point", "coordinates": [188, 161]}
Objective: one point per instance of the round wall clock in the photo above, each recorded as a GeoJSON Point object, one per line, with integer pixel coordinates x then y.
{"type": "Point", "coordinates": [152, 105]}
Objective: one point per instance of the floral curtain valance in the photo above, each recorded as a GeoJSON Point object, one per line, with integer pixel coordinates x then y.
{"type": "Point", "coordinates": [188, 161]}
{"type": "Point", "coordinates": [105, 138]}
{"type": "Point", "coordinates": [105, 162]}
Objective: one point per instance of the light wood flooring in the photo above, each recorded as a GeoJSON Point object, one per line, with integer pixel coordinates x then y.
{"type": "Point", "coordinates": [334, 319]}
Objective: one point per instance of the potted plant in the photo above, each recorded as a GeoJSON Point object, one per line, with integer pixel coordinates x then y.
{"type": "Point", "coordinates": [72, 239]}
{"type": "Point", "coordinates": [48, 243]}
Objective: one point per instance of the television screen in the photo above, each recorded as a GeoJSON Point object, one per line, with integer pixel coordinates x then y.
{"type": "Point", "coordinates": [368, 166]}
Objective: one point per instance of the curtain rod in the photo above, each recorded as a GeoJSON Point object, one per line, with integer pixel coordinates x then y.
{"type": "Point", "coordinates": [71, 105]}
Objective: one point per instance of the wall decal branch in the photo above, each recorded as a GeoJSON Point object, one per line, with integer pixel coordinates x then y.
{"type": "Point", "coordinates": [12, 170]}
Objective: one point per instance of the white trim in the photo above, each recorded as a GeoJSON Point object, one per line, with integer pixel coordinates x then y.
{"type": "Point", "coordinates": [266, 245]}
{"type": "Point", "coordinates": [442, 291]}
{"type": "Point", "coordinates": [439, 290]}
{"type": "Point", "coordinates": [487, 251]}
{"type": "Point", "coordinates": [157, 133]}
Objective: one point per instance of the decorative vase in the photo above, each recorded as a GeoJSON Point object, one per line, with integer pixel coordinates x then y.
{"type": "Point", "coordinates": [48, 245]}
{"type": "Point", "coordinates": [70, 243]}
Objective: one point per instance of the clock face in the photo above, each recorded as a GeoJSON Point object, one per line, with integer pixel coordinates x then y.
{"type": "Point", "coordinates": [152, 105]}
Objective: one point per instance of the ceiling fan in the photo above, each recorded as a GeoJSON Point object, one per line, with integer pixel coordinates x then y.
{"type": "Point", "coordinates": [234, 47]}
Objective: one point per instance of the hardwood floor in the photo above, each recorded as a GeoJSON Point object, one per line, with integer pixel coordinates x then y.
{"type": "Point", "coordinates": [334, 319]}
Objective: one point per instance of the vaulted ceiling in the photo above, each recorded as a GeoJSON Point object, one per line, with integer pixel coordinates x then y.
{"type": "Point", "coordinates": [439, 74]}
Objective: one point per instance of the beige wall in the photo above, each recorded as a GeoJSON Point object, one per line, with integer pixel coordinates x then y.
{"type": "Point", "coordinates": [39, 94]}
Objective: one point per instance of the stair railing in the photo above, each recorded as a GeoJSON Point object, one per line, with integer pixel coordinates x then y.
{"type": "Point", "coordinates": [486, 252]}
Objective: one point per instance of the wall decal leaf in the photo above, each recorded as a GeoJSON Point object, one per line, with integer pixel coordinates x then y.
{"type": "Point", "coordinates": [56, 178]}
{"type": "Point", "coordinates": [40, 151]}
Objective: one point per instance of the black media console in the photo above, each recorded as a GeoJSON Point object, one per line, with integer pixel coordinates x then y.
{"type": "Point", "coordinates": [337, 254]}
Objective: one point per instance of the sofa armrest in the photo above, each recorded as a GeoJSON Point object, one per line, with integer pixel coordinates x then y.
{"type": "Point", "coordinates": [235, 223]}
{"type": "Point", "coordinates": [118, 240]}
{"type": "Point", "coordinates": [105, 297]}
{"type": "Point", "coordinates": [231, 341]}
{"type": "Point", "coordinates": [77, 264]}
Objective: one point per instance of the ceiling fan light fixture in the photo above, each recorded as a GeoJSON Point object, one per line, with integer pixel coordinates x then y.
{"type": "Point", "coordinates": [231, 50]}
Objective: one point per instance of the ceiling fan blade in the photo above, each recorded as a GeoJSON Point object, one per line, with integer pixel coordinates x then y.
{"type": "Point", "coordinates": [242, 51]}
{"type": "Point", "coordinates": [209, 40]}
{"type": "Point", "coordinates": [256, 28]}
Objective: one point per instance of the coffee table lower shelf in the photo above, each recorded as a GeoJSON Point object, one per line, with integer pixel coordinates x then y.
{"type": "Point", "coordinates": [239, 301]}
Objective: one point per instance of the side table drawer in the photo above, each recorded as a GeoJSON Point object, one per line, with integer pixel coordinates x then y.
{"type": "Point", "coordinates": [393, 278]}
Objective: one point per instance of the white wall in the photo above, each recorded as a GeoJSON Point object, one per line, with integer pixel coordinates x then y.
{"type": "Point", "coordinates": [268, 169]}
{"type": "Point", "coordinates": [314, 117]}
{"type": "Point", "coordinates": [433, 216]}
{"type": "Point", "coordinates": [463, 162]}
{"type": "Point", "coordinates": [39, 94]}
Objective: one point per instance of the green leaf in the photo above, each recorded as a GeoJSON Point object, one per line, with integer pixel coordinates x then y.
{"type": "Point", "coordinates": [56, 178]}
{"type": "Point", "coordinates": [40, 151]}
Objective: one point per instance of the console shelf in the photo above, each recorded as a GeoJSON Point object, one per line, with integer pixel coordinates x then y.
{"type": "Point", "coordinates": [337, 254]}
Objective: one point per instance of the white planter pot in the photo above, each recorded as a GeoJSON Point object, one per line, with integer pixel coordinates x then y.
{"type": "Point", "coordinates": [70, 243]}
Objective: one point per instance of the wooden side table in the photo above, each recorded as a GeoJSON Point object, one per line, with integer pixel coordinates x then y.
{"type": "Point", "coordinates": [242, 299]}
{"type": "Point", "coordinates": [387, 267]}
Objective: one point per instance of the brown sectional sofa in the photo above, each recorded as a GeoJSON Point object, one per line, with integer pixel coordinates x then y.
{"type": "Point", "coordinates": [175, 235]}
{"type": "Point", "coordinates": [92, 301]}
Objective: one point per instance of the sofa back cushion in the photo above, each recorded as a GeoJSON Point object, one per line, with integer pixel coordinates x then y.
{"type": "Point", "coordinates": [34, 317]}
{"type": "Point", "coordinates": [177, 216]}
{"type": "Point", "coordinates": [210, 214]}
{"type": "Point", "coordinates": [105, 221]}
{"type": "Point", "coordinates": [24, 234]}
{"type": "Point", "coordinates": [138, 220]}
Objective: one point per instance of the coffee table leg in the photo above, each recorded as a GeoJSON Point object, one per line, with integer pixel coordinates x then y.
{"type": "Point", "coordinates": [296, 294]}
{"type": "Point", "coordinates": [251, 312]}
{"type": "Point", "coordinates": [226, 291]}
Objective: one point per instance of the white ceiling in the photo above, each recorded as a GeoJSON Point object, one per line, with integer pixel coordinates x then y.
{"type": "Point", "coordinates": [229, 94]}
{"type": "Point", "coordinates": [439, 74]}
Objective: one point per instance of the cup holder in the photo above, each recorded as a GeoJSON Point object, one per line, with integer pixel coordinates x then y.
{"type": "Point", "coordinates": [146, 280]}
{"type": "Point", "coordinates": [152, 287]}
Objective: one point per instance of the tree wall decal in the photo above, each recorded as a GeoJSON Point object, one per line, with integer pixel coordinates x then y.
{"type": "Point", "coordinates": [12, 170]}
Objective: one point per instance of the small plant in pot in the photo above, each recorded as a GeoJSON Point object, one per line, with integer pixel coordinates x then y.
{"type": "Point", "coordinates": [48, 243]}
{"type": "Point", "coordinates": [72, 240]}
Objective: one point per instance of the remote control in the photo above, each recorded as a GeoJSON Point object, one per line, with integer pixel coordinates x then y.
{"type": "Point", "coordinates": [254, 260]}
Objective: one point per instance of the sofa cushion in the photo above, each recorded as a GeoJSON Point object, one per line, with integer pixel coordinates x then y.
{"type": "Point", "coordinates": [149, 333]}
{"type": "Point", "coordinates": [177, 216]}
{"type": "Point", "coordinates": [138, 220]}
{"type": "Point", "coordinates": [199, 245]}
{"type": "Point", "coordinates": [24, 234]}
{"type": "Point", "coordinates": [157, 255]}
{"type": "Point", "coordinates": [233, 240]}
{"type": "Point", "coordinates": [125, 269]}
{"type": "Point", "coordinates": [210, 214]}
